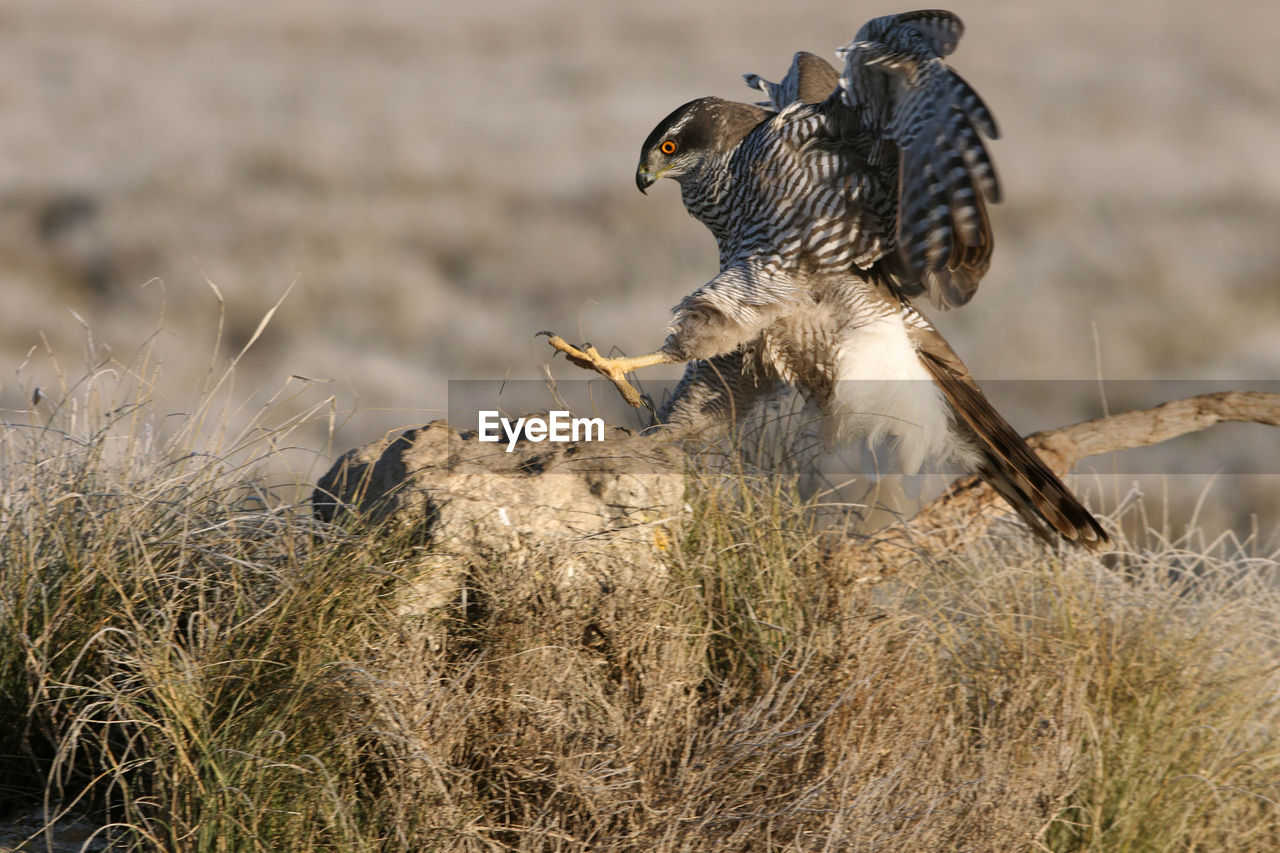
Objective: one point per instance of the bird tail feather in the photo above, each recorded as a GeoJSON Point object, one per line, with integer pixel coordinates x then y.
{"type": "Point", "coordinates": [1009, 465]}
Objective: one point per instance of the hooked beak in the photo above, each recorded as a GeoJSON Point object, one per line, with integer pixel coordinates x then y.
{"type": "Point", "coordinates": [644, 179]}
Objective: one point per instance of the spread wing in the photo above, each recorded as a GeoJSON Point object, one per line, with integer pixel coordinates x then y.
{"type": "Point", "coordinates": [810, 80]}
{"type": "Point", "coordinates": [918, 128]}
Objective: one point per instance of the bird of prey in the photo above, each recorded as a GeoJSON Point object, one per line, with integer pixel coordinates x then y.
{"type": "Point", "coordinates": [835, 202]}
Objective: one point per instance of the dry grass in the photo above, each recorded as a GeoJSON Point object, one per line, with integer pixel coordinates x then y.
{"type": "Point", "coordinates": [186, 654]}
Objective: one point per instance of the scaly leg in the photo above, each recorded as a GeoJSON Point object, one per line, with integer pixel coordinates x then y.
{"type": "Point", "coordinates": [613, 369]}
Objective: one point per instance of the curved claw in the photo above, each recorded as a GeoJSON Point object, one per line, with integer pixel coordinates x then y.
{"type": "Point", "coordinates": [589, 358]}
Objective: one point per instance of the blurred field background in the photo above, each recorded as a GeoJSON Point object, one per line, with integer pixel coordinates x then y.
{"type": "Point", "coordinates": [443, 180]}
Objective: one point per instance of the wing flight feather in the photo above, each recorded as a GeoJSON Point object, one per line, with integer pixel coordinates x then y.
{"type": "Point", "coordinates": [919, 128]}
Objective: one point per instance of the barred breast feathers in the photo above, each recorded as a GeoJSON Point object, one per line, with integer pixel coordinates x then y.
{"type": "Point", "coordinates": [733, 308]}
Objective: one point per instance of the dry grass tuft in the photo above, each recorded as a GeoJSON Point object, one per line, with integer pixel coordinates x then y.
{"type": "Point", "coordinates": [186, 654]}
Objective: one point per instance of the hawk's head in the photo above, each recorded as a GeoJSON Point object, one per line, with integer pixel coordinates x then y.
{"type": "Point", "coordinates": [693, 134]}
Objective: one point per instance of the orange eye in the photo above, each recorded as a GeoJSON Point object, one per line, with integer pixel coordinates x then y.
{"type": "Point", "coordinates": [668, 147]}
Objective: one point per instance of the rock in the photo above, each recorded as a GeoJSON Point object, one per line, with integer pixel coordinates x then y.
{"type": "Point", "coordinates": [34, 831]}
{"type": "Point", "coordinates": [583, 521]}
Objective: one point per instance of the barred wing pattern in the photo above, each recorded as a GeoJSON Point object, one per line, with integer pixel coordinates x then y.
{"type": "Point", "coordinates": [918, 126]}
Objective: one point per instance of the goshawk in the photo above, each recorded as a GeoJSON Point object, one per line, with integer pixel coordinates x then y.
{"type": "Point", "coordinates": [834, 203]}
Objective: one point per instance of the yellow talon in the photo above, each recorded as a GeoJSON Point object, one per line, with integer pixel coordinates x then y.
{"type": "Point", "coordinates": [613, 369]}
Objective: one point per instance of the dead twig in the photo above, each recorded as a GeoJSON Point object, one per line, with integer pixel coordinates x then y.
{"type": "Point", "coordinates": [966, 509]}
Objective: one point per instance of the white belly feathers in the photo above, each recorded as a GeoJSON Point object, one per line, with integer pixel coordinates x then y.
{"type": "Point", "coordinates": [885, 396]}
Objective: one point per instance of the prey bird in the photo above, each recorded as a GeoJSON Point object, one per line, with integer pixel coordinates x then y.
{"type": "Point", "coordinates": [835, 202]}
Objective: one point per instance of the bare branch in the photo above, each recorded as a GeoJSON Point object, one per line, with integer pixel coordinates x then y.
{"type": "Point", "coordinates": [969, 506]}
